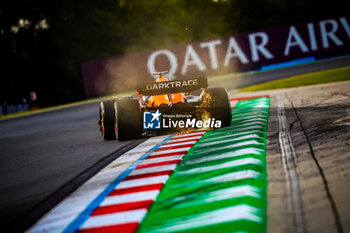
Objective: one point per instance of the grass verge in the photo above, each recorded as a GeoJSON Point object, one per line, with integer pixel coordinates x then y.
{"type": "Point", "coordinates": [326, 76]}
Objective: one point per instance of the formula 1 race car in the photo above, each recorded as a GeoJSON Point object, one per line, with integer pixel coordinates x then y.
{"type": "Point", "coordinates": [184, 105]}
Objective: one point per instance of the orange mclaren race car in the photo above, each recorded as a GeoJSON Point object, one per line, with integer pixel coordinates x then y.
{"type": "Point", "coordinates": [165, 105]}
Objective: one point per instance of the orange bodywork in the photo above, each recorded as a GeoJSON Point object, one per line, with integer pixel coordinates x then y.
{"type": "Point", "coordinates": [157, 100]}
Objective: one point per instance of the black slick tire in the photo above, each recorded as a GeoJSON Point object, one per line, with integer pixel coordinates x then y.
{"type": "Point", "coordinates": [128, 119]}
{"type": "Point", "coordinates": [107, 120]}
{"type": "Point", "coordinates": [220, 107]}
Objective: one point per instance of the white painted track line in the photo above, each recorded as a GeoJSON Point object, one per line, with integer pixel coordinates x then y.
{"type": "Point", "coordinates": [162, 159]}
{"type": "Point", "coordinates": [131, 197]}
{"type": "Point", "coordinates": [148, 170]}
{"type": "Point", "coordinates": [131, 216]}
{"type": "Point", "coordinates": [184, 150]}
{"type": "Point", "coordinates": [144, 181]}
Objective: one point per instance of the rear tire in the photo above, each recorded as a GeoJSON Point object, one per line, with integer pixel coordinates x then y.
{"type": "Point", "coordinates": [220, 107]}
{"type": "Point", "coordinates": [128, 119]}
{"type": "Point", "coordinates": [107, 120]}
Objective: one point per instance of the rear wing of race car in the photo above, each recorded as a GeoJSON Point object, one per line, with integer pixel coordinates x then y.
{"type": "Point", "coordinates": [175, 86]}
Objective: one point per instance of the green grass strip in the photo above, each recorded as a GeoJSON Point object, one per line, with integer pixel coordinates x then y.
{"type": "Point", "coordinates": [220, 186]}
{"type": "Point", "coordinates": [326, 76]}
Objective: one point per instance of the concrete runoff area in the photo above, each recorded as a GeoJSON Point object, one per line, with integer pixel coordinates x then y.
{"type": "Point", "coordinates": [318, 119]}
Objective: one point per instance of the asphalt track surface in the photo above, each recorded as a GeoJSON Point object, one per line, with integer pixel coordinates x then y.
{"type": "Point", "coordinates": [47, 156]}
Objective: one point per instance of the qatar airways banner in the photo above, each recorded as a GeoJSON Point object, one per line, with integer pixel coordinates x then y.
{"type": "Point", "coordinates": [240, 52]}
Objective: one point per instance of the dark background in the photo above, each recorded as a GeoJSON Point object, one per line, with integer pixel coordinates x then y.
{"type": "Point", "coordinates": [126, 72]}
{"type": "Point", "coordinates": [44, 53]}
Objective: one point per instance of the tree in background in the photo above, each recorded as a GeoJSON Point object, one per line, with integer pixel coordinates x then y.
{"type": "Point", "coordinates": [43, 43]}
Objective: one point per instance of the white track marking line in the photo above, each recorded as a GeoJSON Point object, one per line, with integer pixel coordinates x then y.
{"type": "Point", "coordinates": [162, 159]}
{"type": "Point", "coordinates": [125, 160]}
{"type": "Point", "coordinates": [185, 149]}
{"type": "Point", "coordinates": [294, 194]}
{"type": "Point", "coordinates": [148, 170]}
{"type": "Point", "coordinates": [130, 197]}
{"type": "Point", "coordinates": [131, 216]}
{"type": "Point", "coordinates": [143, 181]}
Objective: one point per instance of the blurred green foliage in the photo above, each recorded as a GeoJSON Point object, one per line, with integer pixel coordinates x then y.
{"type": "Point", "coordinates": [48, 60]}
